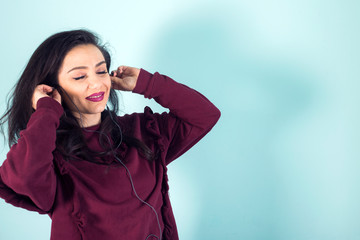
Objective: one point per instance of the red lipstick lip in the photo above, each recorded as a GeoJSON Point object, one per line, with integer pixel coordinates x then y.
{"type": "Point", "coordinates": [96, 97]}
{"type": "Point", "coordinates": [96, 94]}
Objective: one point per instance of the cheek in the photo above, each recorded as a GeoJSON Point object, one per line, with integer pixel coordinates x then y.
{"type": "Point", "coordinates": [108, 81]}
{"type": "Point", "coordinates": [72, 92]}
{"type": "Point", "coordinates": [70, 99]}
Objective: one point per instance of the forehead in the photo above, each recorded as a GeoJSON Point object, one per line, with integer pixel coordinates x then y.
{"type": "Point", "coordinates": [82, 55]}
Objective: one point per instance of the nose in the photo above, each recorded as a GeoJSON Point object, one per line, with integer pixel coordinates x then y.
{"type": "Point", "coordinates": [93, 82]}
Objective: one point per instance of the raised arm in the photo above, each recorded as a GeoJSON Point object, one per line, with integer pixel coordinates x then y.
{"type": "Point", "coordinates": [28, 169]}
{"type": "Point", "coordinates": [191, 114]}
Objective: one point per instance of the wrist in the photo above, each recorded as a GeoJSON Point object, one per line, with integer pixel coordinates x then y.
{"type": "Point", "coordinates": [49, 104]}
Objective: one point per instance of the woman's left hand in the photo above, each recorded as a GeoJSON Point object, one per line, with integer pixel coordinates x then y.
{"type": "Point", "coordinates": [124, 78]}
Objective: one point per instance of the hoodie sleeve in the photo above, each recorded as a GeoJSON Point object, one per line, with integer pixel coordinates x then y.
{"type": "Point", "coordinates": [191, 115]}
{"type": "Point", "coordinates": [28, 169]}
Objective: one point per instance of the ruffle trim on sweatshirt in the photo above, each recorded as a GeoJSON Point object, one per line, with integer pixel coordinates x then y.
{"type": "Point", "coordinates": [151, 123]}
{"type": "Point", "coordinates": [152, 127]}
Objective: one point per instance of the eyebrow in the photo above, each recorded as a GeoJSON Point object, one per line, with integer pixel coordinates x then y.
{"type": "Point", "coordinates": [84, 67]}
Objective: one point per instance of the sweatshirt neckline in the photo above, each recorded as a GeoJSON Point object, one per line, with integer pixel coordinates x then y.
{"type": "Point", "coordinates": [94, 127]}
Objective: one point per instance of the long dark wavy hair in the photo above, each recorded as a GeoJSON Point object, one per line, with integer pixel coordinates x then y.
{"type": "Point", "coordinates": [43, 68]}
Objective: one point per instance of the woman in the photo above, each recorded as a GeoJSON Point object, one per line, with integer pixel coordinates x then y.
{"type": "Point", "coordinates": [97, 175]}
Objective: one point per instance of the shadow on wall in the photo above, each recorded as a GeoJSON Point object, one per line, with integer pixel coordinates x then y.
{"type": "Point", "coordinates": [240, 179]}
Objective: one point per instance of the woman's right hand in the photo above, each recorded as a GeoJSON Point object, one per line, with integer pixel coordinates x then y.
{"type": "Point", "coordinates": [43, 90]}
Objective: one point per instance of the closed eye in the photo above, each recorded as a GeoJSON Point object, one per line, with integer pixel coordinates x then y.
{"type": "Point", "coordinates": [78, 78]}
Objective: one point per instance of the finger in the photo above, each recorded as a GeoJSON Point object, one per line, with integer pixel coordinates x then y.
{"type": "Point", "coordinates": [45, 88]}
{"type": "Point", "coordinates": [115, 73]}
{"type": "Point", "coordinates": [115, 79]}
{"type": "Point", "coordinates": [56, 95]}
{"type": "Point", "coordinates": [122, 69]}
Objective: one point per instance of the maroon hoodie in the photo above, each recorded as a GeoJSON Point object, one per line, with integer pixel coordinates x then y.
{"type": "Point", "coordinates": [86, 200]}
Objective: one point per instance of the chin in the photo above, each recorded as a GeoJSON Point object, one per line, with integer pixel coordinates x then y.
{"type": "Point", "coordinates": [100, 109]}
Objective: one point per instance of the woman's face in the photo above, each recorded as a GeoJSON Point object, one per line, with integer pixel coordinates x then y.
{"type": "Point", "coordinates": [84, 77]}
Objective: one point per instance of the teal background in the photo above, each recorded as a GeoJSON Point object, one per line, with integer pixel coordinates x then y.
{"type": "Point", "coordinates": [283, 161]}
